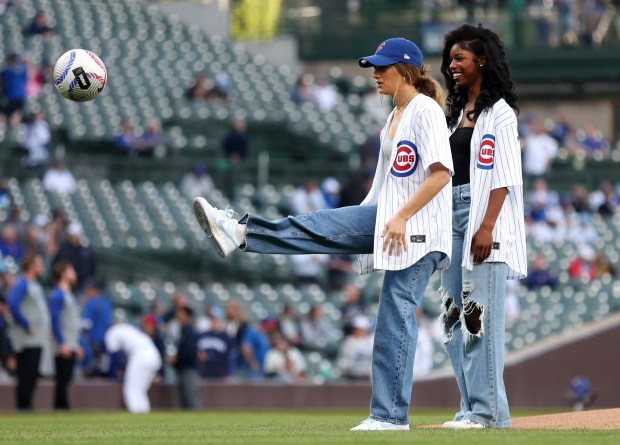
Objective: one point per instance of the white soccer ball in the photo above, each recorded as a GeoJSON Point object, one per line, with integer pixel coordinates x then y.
{"type": "Point", "coordinates": [80, 75]}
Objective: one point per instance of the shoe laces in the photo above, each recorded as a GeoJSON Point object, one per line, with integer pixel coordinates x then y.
{"type": "Point", "coordinates": [227, 213]}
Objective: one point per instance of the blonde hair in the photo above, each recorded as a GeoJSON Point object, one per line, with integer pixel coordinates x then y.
{"type": "Point", "coordinates": [422, 81]}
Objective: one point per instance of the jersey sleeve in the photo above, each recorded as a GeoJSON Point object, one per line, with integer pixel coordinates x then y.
{"type": "Point", "coordinates": [112, 341]}
{"type": "Point", "coordinates": [57, 302]}
{"type": "Point", "coordinates": [507, 170]}
{"type": "Point", "coordinates": [433, 140]}
{"type": "Point", "coordinates": [15, 298]}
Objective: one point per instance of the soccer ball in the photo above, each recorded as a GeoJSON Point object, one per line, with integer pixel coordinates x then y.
{"type": "Point", "coordinates": [79, 75]}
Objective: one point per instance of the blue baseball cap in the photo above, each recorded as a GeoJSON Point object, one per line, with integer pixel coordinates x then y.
{"type": "Point", "coordinates": [393, 51]}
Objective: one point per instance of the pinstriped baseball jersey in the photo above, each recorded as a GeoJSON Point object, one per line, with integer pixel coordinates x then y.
{"type": "Point", "coordinates": [496, 163]}
{"type": "Point", "coordinates": [421, 140]}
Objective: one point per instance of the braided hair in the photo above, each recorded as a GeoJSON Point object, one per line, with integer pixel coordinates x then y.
{"type": "Point", "coordinates": [496, 81]}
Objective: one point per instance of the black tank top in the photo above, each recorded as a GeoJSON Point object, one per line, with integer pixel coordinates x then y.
{"type": "Point", "coordinates": [460, 142]}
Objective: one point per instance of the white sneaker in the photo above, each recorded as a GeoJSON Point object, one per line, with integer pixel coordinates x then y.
{"type": "Point", "coordinates": [219, 226]}
{"type": "Point", "coordinates": [450, 424]}
{"type": "Point", "coordinates": [464, 424]}
{"type": "Point", "coordinates": [376, 425]}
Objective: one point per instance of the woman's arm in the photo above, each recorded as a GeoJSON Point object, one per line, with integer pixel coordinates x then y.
{"type": "Point", "coordinates": [482, 242]}
{"type": "Point", "coordinates": [394, 230]}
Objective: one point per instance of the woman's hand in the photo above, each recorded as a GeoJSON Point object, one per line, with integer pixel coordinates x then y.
{"type": "Point", "coordinates": [481, 244]}
{"type": "Point", "coordinates": [395, 236]}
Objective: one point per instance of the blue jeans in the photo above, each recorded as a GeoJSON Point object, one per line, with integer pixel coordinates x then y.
{"type": "Point", "coordinates": [396, 337]}
{"type": "Point", "coordinates": [474, 324]}
{"type": "Point", "coordinates": [347, 230]}
{"type": "Point", "coordinates": [351, 230]}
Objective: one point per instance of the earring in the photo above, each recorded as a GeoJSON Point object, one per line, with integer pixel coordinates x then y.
{"type": "Point", "coordinates": [482, 64]}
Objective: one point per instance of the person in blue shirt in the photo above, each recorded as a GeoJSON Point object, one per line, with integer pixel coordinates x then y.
{"type": "Point", "coordinates": [252, 345]}
{"type": "Point", "coordinates": [13, 79]}
{"type": "Point", "coordinates": [30, 328]}
{"type": "Point", "coordinates": [65, 320]}
{"type": "Point", "coordinates": [96, 320]}
{"type": "Point", "coordinates": [215, 348]}
{"type": "Point", "coordinates": [186, 360]}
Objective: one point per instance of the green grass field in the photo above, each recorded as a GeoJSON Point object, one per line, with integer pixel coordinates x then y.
{"type": "Point", "coordinates": [268, 427]}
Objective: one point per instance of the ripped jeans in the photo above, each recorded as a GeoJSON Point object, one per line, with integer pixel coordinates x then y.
{"type": "Point", "coordinates": [474, 325]}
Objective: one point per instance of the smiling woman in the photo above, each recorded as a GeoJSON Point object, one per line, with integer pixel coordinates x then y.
{"type": "Point", "coordinates": [488, 236]}
{"type": "Point", "coordinates": [402, 227]}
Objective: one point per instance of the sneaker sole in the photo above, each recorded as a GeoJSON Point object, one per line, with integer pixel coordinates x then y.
{"type": "Point", "coordinates": [208, 226]}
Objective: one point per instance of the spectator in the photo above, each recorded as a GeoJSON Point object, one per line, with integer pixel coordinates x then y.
{"type": "Point", "coordinates": [151, 141]}
{"type": "Point", "coordinates": [5, 195]}
{"type": "Point", "coordinates": [301, 93]}
{"type": "Point", "coordinates": [603, 266]}
{"type": "Point", "coordinates": [582, 230]}
{"type": "Point", "coordinates": [339, 267]}
{"type": "Point", "coordinates": [55, 232]}
{"type": "Point", "coordinates": [325, 94]}
{"type": "Point", "coordinates": [604, 200]}
{"type": "Point", "coordinates": [563, 131]}
{"type": "Point", "coordinates": [13, 78]}
{"type": "Point", "coordinates": [582, 267]}
{"type": "Point", "coordinates": [539, 152]}
{"type": "Point", "coordinates": [150, 328]}
{"type": "Point", "coordinates": [172, 325]}
{"type": "Point", "coordinates": [594, 143]}
{"type": "Point", "coordinates": [251, 342]}
{"type": "Point", "coordinates": [35, 82]}
{"type": "Point", "coordinates": [580, 395]}
{"type": "Point", "coordinates": [289, 326]}
{"type": "Point", "coordinates": [46, 71]}
{"type": "Point", "coordinates": [143, 362]}
{"type": "Point", "coordinates": [30, 329]}
{"type": "Point", "coordinates": [222, 86]}
{"type": "Point", "coordinates": [540, 276]}
{"type": "Point", "coordinates": [579, 199]}
{"type": "Point", "coordinates": [318, 332]}
{"type": "Point", "coordinates": [356, 189]}
{"type": "Point", "coordinates": [283, 361]}
{"type": "Point", "coordinates": [96, 320]}
{"type": "Point", "coordinates": [59, 179]}
{"type": "Point", "coordinates": [355, 353]}
{"type": "Point", "coordinates": [7, 358]}
{"type": "Point", "coordinates": [203, 89]}
{"type": "Point", "coordinates": [330, 187]}
{"type": "Point", "coordinates": [215, 348]}
{"type": "Point", "coordinates": [236, 142]}
{"type": "Point", "coordinates": [80, 256]}
{"type": "Point", "coordinates": [15, 219]}
{"type": "Point", "coordinates": [308, 198]}
{"type": "Point", "coordinates": [197, 182]}
{"type": "Point", "coordinates": [309, 269]}
{"type": "Point", "coordinates": [39, 25]}
{"type": "Point", "coordinates": [352, 308]}
{"type": "Point", "coordinates": [35, 140]}
{"type": "Point", "coordinates": [186, 360]}
{"type": "Point", "coordinates": [10, 246]}
{"type": "Point", "coordinates": [126, 141]}
{"type": "Point", "coordinates": [65, 321]}
{"type": "Point", "coordinates": [34, 242]}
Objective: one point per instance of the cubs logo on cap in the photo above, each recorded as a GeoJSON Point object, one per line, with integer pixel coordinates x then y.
{"type": "Point", "coordinates": [406, 159]}
{"type": "Point", "coordinates": [486, 155]}
{"type": "Point", "coordinates": [393, 51]}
